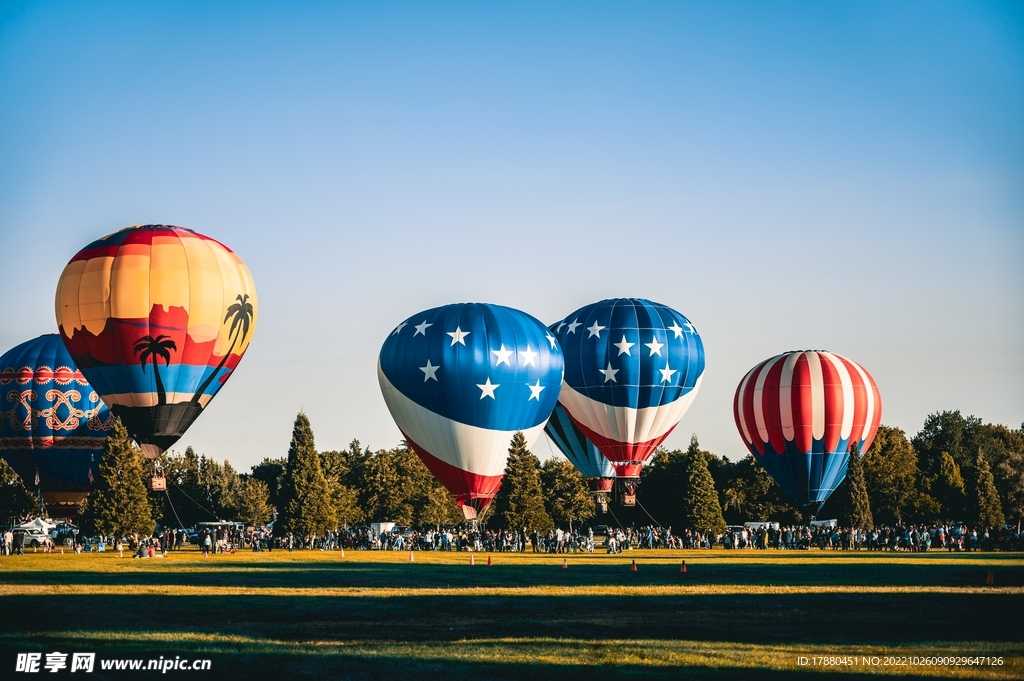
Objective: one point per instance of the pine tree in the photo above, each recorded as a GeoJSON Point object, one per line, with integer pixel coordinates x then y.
{"type": "Point", "coordinates": [859, 505]}
{"type": "Point", "coordinates": [118, 504]}
{"type": "Point", "coordinates": [702, 510]}
{"type": "Point", "coordinates": [948, 488]}
{"type": "Point", "coordinates": [986, 509]}
{"type": "Point", "coordinates": [520, 501]}
{"type": "Point", "coordinates": [305, 495]}
{"type": "Point", "coordinates": [566, 497]}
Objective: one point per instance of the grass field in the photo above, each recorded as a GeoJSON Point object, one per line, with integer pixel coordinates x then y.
{"type": "Point", "coordinates": [742, 614]}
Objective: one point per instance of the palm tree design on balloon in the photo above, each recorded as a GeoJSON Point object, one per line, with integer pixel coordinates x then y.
{"type": "Point", "coordinates": [240, 314]}
{"type": "Point", "coordinates": [149, 348]}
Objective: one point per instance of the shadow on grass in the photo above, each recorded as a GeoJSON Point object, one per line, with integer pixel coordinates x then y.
{"type": "Point", "coordinates": [424, 575]}
{"type": "Point", "coordinates": [757, 619]}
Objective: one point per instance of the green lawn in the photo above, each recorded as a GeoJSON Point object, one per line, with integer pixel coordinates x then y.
{"type": "Point", "coordinates": [747, 614]}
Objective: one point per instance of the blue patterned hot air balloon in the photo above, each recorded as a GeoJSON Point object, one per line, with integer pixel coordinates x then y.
{"type": "Point", "coordinates": [52, 423]}
{"type": "Point", "coordinates": [581, 452]}
{"type": "Point", "coordinates": [632, 369]}
{"type": "Point", "coordinates": [459, 381]}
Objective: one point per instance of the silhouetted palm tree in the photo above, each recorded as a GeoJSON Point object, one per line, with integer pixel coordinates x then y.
{"type": "Point", "coordinates": [242, 314]}
{"type": "Point", "coordinates": [149, 348]}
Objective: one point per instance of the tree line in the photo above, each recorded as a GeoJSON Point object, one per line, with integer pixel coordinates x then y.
{"type": "Point", "coordinates": [956, 469]}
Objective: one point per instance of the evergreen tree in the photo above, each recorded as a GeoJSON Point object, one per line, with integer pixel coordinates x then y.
{"type": "Point", "coordinates": [851, 497]}
{"type": "Point", "coordinates": [271, 472]}
{"type": "Point", "coordinates": [891, 476]}
{"type": "Point", "coordinates": [254, 502]}
{"type": "Point", "coordinates": [702, 510]}
{"type": "Point", "coordinates": [520, 501]}
{"type": "Point", "coordinates": [305, 496]}
{"type": "Point", "coordinates": [985, 509]}
{"type": "Point", "coordinates": [118, 504]}
{"type": "Point", "coordinates": [948, 488]}
{"type": "Point", "coordinates": [566, 497]}
{"type": "Point", "coordinates": [345, 498]}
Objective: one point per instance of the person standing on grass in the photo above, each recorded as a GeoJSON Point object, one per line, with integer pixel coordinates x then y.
{"type": "Point", "coordinates": [207, 544]}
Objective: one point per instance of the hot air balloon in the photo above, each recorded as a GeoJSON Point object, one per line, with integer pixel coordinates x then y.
{"type": "Point", "coordinates": [632, 369]}
{"type": "Point", "coordinates": [52, 423]}
{"type": "Point", "coordinates": [157, 317]}
{"type": "Point", "coordinates": [582, 453]}
{"type": "Point", "coordinates": [459, 381]}
{"type": "Point", "coordinates": [800, 412]}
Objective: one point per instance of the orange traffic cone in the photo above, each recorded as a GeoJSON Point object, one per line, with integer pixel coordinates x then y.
{"type": "Point", "coordinates": [342, 551]}
{"type": "Point", "coordinates": [682, 568]}
{"type": "Point", "coordinates": [471, 561]}
{"type": "Point", "coordinates": [488, 561]}
{"type": "Point", "coordinates": [991, 581]}
{"type": "Point", "coordinates": [565, 564]}
{"type": "Point", "coordinates": [634, 565]}
{"type": "Point", "coordinates": [412, 558]}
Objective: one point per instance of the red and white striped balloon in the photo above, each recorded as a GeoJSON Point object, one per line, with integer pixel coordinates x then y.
{"type": "Point", "coordinates": [800, 412]}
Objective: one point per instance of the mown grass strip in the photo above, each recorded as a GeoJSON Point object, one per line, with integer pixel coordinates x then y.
{"type": "Point", "coordinates": [570, 652]}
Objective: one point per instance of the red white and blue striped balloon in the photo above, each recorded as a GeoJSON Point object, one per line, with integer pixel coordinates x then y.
{"type": "Point", "coordinates": [632, 369]}
{"type": "Point", "coordinates": [460, 380]}
{"type": "Point", "coordinates": [800, 412]}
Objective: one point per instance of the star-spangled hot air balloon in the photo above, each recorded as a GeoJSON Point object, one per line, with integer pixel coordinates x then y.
{"type": "Point", "coordinates": [459, 381]}
{"type": "Point", "coordinates": [581, 452]}
{"type": "Point", "coordinates": [632, 369]}
{"type": "Point", "coordinates": [157, 317]}
{"type": "Point", "coordinates": [52, 423]}
{"type": "Point", "coordinates": [800, 412]}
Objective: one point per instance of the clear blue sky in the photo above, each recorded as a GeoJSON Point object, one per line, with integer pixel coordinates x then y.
{"type": "Point", "coordinates": [842, 176]}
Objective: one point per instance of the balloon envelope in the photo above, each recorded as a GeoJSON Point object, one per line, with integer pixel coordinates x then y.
{"type": "Point", "coordinates": [157, 317]}
{"type": "Point", "coordinates": [800, 412]}
{"type": "Point", "coordinates": [632, 369]}
{"type": "Point", "coordinates": [52, 423]}
{"type": "Point", "coordinates": [459, 381]}
{"type": "Point", "coordinates": [580, 451]}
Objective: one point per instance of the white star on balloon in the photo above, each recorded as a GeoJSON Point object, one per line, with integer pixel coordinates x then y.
{"type": "Point", "coordinates": [595, 330]}
{"type": "Point", "coordinates": [573, 325]}
{"type": "Point", "coordinates": [502, 355]}
{"type": "Point", "coordinates": [551, 339]}
{"type": "Point", "coordinates": [399, 328]}
{"type": "Point", "coordinates": [689, 327]}
{"type": "Point", "coordinates": [666, 373]}
{"type": "Point", "coordinates": [528, 356]}
{"type": "Point", "coordinates": [559, 329]}
{"type": "Point", "coordinates": [655, 346]}
{"type": "Point", "coordinates": [421, 329]}
{"type": "Point", "coordinates": [624, 346]}
{"type": "Point", "coordinates": [535, 391]}
{"type": "Point", "coordinates": [609, 374]}
{"type": "Point", "coordinates": [458, 336]}
{"type": "Point", "coordinates": [429, 371]}
{"type": "Point", "coordinates": [676, 329]}
{"type": "Point", "coordinates": [487, 389]}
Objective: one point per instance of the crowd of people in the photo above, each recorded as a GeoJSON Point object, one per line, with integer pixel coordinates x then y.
{"type": "Point", "coordinates": [912, 538]}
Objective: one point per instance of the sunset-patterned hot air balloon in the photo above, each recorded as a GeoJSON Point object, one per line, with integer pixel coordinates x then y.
{"type": "Point", "coordinates": [157, 318]}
